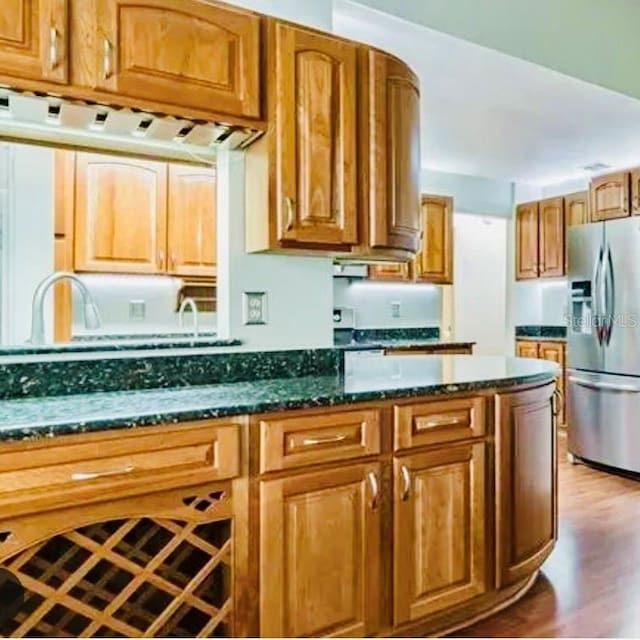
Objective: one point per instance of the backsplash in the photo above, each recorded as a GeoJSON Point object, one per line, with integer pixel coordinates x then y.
{"type": "Point", "coordinates": [540, 302]}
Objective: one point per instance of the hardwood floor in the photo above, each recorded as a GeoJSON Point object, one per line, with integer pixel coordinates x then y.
{"type": "Point", "coordinates": [590, 586]}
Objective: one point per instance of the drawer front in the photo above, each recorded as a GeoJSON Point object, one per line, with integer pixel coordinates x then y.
{"type": "Point", "coordinates": [185, 456]}
{"type": "Point", "coordinates": [313, 439]}
{"type": "Point", "coordinates": [427, 423]}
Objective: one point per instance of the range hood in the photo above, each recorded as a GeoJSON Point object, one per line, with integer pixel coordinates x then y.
{"type": "Point", "coordinates": [61, 122]}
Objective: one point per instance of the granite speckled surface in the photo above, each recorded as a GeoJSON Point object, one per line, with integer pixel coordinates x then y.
{"type": "Point", "coordinates": [396, 338]}
{"type": "Point", "coordinates": [42, 378]}
{"type": "Point", "coordinates": [376, 378]}
{"type": "Point", "coordinates": [542, 332]}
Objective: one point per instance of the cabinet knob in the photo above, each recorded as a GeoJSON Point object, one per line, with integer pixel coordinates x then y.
{"type": "Point", "coordinates": [406, 480]}
{"type": "Point", "coordinates": [375, 489]}
{"type": "Point", "coordinates": [107, 59]}
{"type": "Point", "coordinates": [54, 54]}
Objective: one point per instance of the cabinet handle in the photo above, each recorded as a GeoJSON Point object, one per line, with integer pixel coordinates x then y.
{"type": "Point", "coordinates": [290, 203]}
{"type": "Point", "coordinates": [406, 479]}
{"type": "Point", "coordinates": [174, 260]}
{"type": "Point", "coordinates": [54, 59]}
{"type": "Point", "coordinates": [92, 475]}
{"type": "Point", "coordinates": [160, 259]}
{"type": "Point", "coordinates": [375, 489]}
{"type": "Point", "coordinates": [107, 62]}
{"type": "Point", "coordinates": [310, 442]}
{"type": "Point", "coordinates": [443, 422]}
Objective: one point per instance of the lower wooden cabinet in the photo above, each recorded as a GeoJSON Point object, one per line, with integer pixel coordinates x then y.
{"type": "Point", "coordinates": [320, 551]}
{"type": "Point", "coordinates": [526, 483]}
{"type": "Point", "coordinates": [440, 525]}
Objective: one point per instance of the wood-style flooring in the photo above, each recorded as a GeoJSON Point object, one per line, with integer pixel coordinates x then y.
{"type": "Point", "coordinates": [590, 585]}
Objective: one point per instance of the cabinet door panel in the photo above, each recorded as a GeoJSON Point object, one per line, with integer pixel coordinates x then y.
{"type": "Point", "coordinates": [191, 237]}
{"type": "Point", "coordinates": [440, 557]}
{"type": "Point", "coordinates": [527, 249]}
{"type": "Point", "coordinates": [320, 544]}
{"type": "Point", "coordinates": [610, 196]}
{"type": "Point", "coordinates": [576, 212]}
{"type": "Point", "coordinates": [526, 486]}
{"type": "Point", "coordinates": [635, 192]}
{"type": "Point", "coordinates": [391, 271]}
{"type": "Point", "coordinates": [316, 118]}
{"type": "Point", "coordinates": [394, 154]}
{"type": "Point", "coordinates": [33, 40]}
{"type": "Point", "coordinates": [526, 349]}
{"type": "Point", "coordinates": [148, 48]}
{"type": "Point", "coordinates": [120, 214]}
{"type": "Point", "coordinates": [434, 263]}
{"type": "Point", "coordinates": [551, 237]}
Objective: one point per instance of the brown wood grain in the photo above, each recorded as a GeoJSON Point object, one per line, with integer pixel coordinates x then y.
{"type": "Point", "coordinates": [434, 262]}
{"type": "Point", "coordinates": [551, 229]}
{"type": "Point", "coordinates": [610, 196]}
{"type": "Point", "coordinates": [527, 246]}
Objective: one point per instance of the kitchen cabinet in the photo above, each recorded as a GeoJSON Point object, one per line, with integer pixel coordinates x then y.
{"type": "Point", "coordinates": [34, 40]}
{"type": "Point", "coordinates": [551, 237]}
{"type": "Point", "coordinates": [576, 208]}
{"type": "Point", "coordinates": [434, 262]}
{"type": "Point", "coordinates": [526, 349]}
{"type": "Point", "coordinates": [398, 271]}
{"type": "Point", "coordinates": [526, 486]}
{"type": "Point", "coordinates": [527, 247]}
{"type": "Point", "coordinates": [610, 196]}
{"type": "Point", "coordinates": [191, 237]}
{"type": "Point", "coordinates": [121, 214]}
{"type": "Point", "coordinates": [202, 56]}
{"type": "Point", "coordinates": [440, 528]}
{"type": "Point", "coordinates": [393, 152]}
{"type": "Point", "coordinates": [320, 551]}
{"type": "Point", "coordinates": [635, 192]}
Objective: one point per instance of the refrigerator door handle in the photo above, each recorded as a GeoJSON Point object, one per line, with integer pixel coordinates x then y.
{"type": "Point", "coordinates": [607, 386]}
{"type": "Point", "coordinates": [597, 296]}
{"type": "Point", "coordinates": [609, 295]}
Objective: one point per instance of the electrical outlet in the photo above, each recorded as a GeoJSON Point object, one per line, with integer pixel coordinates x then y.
{"type": "Point", "coordinates": [255, 307]}
{"type": "Point", "coordinates": [396, 309]}
{"type": "Point", "coordinates": [137, 309]}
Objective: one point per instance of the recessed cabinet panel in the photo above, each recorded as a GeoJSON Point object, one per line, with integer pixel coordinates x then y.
{"type": "Point", "coordinates": [610, 196]}
{"type": "Point", "coordinates": [316, 79]}
{"type": "Point", "coordinates": [576, 208]}
{"type": "Point", "coordinates": [527, 260]}
{"type": "Point", "coordinates": [34, 39]}
{"type": "Point", "coordinates": [434, 263]}
{"type": "Point", "coordinates": [181, 52]}
{"type": "Point", "coordinates": [526, 349]}
{"type": "Point", "coordinates": [121, 207]}
{"type": "Point", "coordinates": [551, 237]}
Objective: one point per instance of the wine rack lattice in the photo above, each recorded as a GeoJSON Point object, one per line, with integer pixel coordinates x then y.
{"type": "Point", "coordinates": [142, 577]}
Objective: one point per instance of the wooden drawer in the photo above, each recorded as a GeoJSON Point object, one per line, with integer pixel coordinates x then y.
{"type": "Point", "coordinates": [427, 423]}
{"type": "Point", "coordinates": [311, 439]}
{"type": "Point", "coordinates": [87, 467]}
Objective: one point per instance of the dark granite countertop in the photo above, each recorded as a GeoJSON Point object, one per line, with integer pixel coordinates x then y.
{"type": "Point", "coordinates": [546, 332]}
{"type": "Point", "coordinates": [409, 343]}
{"type": "Point", "coordinates": [541, 339]}
{"type": "Point", "coordinates": [374, 378]}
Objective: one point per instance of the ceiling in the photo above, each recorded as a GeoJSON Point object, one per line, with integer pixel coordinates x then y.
{"type": "Point", "coordinates": [489, 114]}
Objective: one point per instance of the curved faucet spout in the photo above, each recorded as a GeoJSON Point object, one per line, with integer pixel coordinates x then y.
{"type": "Point", "coordinates": [191, 303]}
{"type": "Point", "coordinates": [91, 312]}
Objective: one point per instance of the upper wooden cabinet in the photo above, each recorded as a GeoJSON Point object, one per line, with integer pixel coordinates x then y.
{"type": "Point", "coordinates": [527, 241]}
{"type": "Point", "coordinates": [576, 208]}
{"type": "Point", "coordinates": [393, 152]}
{"type": "Point", "coordinates": [434, 262]}
{"type": "Point", "coordinates": [526, 486]}
{"type": "Point", "coordinates": [439, 530]}
{"type": "Point", "coordinates": [120, 214]}
{"type": "Point", "coordinates": [316, 115]}
{"type": "Point", "coordinates": [320, 550]}
{"type": "Point", "coordinates": [34, 37]}
{"type": "Point", "coordinates": [551, 237]}
{"type": "Point", "coordinates": [191, 237]}
{"type": "Point", "coordinates": [394, 271]}
{"type": "Point", "coordinates": [610, 196]}
{"type": "Point", "coordinates": [188, 53]}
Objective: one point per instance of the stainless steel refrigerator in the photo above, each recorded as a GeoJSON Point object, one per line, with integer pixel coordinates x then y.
{"type": "Point", "coordinates": [603, 360]}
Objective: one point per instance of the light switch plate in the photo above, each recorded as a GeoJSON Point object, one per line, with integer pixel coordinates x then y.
{"type": "Point", "coordinates": [137, 309]}
{"type": "Point", "coordinates": [395, 309]}
{"type": "Point", "coordinates": [255, 307]}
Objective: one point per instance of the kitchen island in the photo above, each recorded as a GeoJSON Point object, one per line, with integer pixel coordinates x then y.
{"type": "Point", "coordinates": [403, 496]}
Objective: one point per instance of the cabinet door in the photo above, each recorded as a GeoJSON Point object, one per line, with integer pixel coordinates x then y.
{"type": "Point", "coordinates": [551, 237]}
{"type": "Point", "coordinates": [610, 196]}
{"type": "Point", "coordinates": [315, 84]}
{"type": "Point", "coordinates": [394, 154]}
{"type": "Point", "coordinates": [200, 55]}
{"type": "Point", "coordinates": [440, 557]}
{"type": "Point", "coordinates": [391, 271]}
{"type": "Point", "coordinates": [576, 212]}
{"type": "Point", "coordinates": [158, 565]}
{"type": "Point", "coordinates": [191, 238]}
{"type": "Point", "coordinates": [556, 352]}
{"type": "Point", "coordinates": [526, 487]}
{"type": "Point", "coordinates": [526, 349]}
{"type": "Point", "coordinates": [33, 40]}
{"type": "Point", "coordinates": [320, 550]}
{"type": "Point", "coordinates": [527, 248]}
{"type": "Point", "coordinates": [434, 262]}
{"type": "Point", "coordinates": [120, 223]}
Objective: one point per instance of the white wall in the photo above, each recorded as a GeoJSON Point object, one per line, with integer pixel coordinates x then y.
{"type": "Point", "coordinates": [480, 282]}
{"type": "Point", "coordinates": [567, 186]}
{"type": "Point", "coordinates": [420, 304]}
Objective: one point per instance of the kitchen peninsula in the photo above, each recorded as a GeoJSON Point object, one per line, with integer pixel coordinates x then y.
{"type": "Point", "coordinates": [407, 495]}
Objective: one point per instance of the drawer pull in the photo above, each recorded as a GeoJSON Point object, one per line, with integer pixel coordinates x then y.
{"type": "Point", "coordinates": [406, 478]}
{"type": "Point", "coordinates": [442, 422]}
{"type": "Point", "coordinates": [291, 215]}
{"type": "Point", "coordinates": [375, 491]}
{"type": "Point", "coordinates": [310, 442]}
{"type": "Point", "coordinates": [107, 64]}
{"type": "Point", "coordinates": [54, 58]}
{"type": "Point", "coordinates": [92, 475]}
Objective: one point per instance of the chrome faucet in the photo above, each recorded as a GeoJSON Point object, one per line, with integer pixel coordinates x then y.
{"type": "Point", "coordinates": [191, 303]}
{"type": "Point", "coordinates": [91, 313]}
